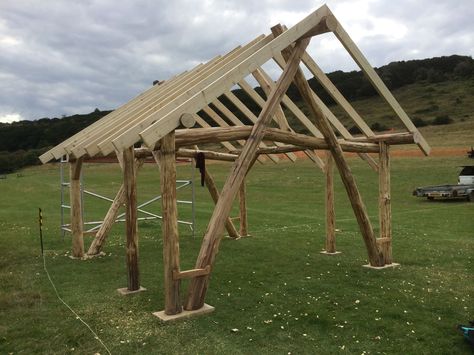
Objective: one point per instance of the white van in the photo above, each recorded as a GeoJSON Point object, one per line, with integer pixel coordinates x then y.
{"type": "Point", "coordinates": [466, 176]}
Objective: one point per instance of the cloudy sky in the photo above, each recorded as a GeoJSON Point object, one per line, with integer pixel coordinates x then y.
{"type": "Point", "coordinates": [65, 57]}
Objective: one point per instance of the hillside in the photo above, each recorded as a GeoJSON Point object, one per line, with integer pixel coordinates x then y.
{"type": "Point", "coordinates": [437, 93]}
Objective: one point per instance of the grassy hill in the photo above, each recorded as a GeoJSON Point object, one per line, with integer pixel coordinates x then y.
{"type": "Point", "coordinates": [424, 103]}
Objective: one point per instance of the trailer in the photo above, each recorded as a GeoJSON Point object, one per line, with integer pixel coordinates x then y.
{"type": "Point", "coordinates": [464, 189]}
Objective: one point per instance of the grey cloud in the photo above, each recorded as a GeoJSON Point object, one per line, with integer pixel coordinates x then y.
{"type": "Point", "coordinates": [76, 56]}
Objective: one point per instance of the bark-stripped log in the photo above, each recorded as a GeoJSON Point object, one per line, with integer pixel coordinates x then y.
{"type": "Point", "coordinates": [169, 227]}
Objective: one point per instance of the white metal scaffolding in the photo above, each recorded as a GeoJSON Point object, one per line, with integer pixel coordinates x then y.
{"type": "Point", "coordinates": [93, 226]}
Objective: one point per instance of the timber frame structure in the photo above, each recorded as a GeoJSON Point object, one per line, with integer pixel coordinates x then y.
{"type": "Point", "coordinates": [156, 118]}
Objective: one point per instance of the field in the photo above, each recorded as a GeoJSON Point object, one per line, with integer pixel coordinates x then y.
{"type": "Point", "coordinates": [273, 292]}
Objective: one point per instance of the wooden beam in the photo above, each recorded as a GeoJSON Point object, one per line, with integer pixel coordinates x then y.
{"type": "Point", "coordinates": [334, 25]}
{"type": "Point", "coordinates": [385, 212]}
{"type": "Point", "coordinates": [112, 213]}
{"type": "Point", "coordinates": [59, 150]}
{"type": "Point", "coordinates": [331, 117]}
{"type": "Point", "coordinates": [290, 105]}
{"type": "Point", "coordinates": [190, 153]}
{"type": "Point", "coordinates": [275, 149]}
{"type": "Point", "coordinates": [105, 122]}
{"type": "Point", "coordinates": [344, 169]}
{"type": "Point", "coordinates": [187, 120]}
{"type": "Point", "coordinates": [177, 275]}
{"type": "Point", "coordinates": [165, 123]}
{"type": "Point", "coordinates": [181, 98]}
{"type": "Point", "coordinates": [168, 93]}
{"type": "Point", "coordinates": [389, 138]}
{"type": "Point", "coordinates": [204, 124]}
{"type": "Point", "coordinates": [332, 90]}
{"type": "Point", "coordinates": [131, 227]}
{"type": "Point", "coordinates": [167, 159]}
{"type": "Point", "coordinates": [318, 143]}
{"type": "Point", "coordinates": [279, 117]}
{"type": "Point", "coordinates": [235, 120]}
{"type": "Point", "coordinates": [214, 192]}
{"type": "Point", "coordinates": [243, 210]}
{"type": "Point", "coordinates": [220, 121]}
{"type": "Point", "coordinates": [208, 154]}
{"type": "Point", "coordinates": [210, 245]}
{"type": "Point", "coordinates": [107, 224]}
{"type": "Point", "coordinates": [217, 134]}
{"type": "Point", "coordinates": [330, 211]}
{"type": "Point", "coordinates": [101, 142]}
{"type": "Point", "coordinates": [75, 196]}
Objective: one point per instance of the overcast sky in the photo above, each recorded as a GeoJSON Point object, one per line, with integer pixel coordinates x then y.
{"type": "Point", "coordinates": [67, 57]}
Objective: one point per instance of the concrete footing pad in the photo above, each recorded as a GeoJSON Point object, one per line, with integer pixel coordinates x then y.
{"type": "Point", "coordinates": [125, 291]}
{"type": "Point", "coordinates": [184, 314]}
{"type": "Point", "coordinates": [381, 267]}
{"type": "Point", "coordinates": [328, 253]}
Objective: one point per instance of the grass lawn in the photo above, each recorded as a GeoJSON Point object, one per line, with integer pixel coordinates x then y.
{"type": "Point", "coordinates": [274, 293]}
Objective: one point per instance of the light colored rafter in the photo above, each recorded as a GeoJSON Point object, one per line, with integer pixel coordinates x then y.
{"type": "Point", "coordinates": [114, 118]}
{"type": "Point", "coordinates": [177, 96]}
{"type": "Point", "coordinates": [152, 133]}
{"type": "Point", "coordinates": [334, 25]}
{"type": "Point", "coordinates": [266, 83]}
{"type": "Point", "coordinates": [59, 150]}
{"type": "Point", "coordinates": [157, 111]}
{"type": "Point", "coordinates": [220, 121]}
{"type": "Point", "coordinates": [331, 117]}
{"type": "Point", "coordinates": [136, 124]}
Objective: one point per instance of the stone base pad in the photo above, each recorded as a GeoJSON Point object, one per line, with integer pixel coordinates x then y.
{"type": "Point", "coordinates": [125, 291]}
{"type": "Point", "coordinates": [328, 253]}
{"type": "Point", "coordinates": [184, 314]}
{"type": "Point", "coordinates": [381, 267]}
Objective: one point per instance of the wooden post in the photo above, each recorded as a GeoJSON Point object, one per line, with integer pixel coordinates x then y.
{"type": "Point", "coordinates": [131, 227]}
{"type": "Point", "coordinates": [348, 180]}
{"type": "Point", "coordinates": [77, 227]}
{"type": "Point", "coordinates": [385, 212]}
{"type": "Point", "coordinates": [330, 212]}
{"type": "Point", "coordinates": [211, 186]}
{"type": "Point", "coordinates": [210, 245]}
{"type": "Point", "coordinates": [243, 209]}
{"type": "Point", "coordinates": [167, 159]}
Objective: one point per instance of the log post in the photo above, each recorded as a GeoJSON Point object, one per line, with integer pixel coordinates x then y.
{"type": "Point", "coordinates": [167, 159]}
{"type": "Point", "coordinates": [348, 180]}
{"type": "Point", "coordinates": [385, 212]}
{"type": "Point", "coordinates": [210, 244]}
{"type": "Point", "coordinates": [131, 227]}
{"type": "Point", "coordinates": [330, 212]}
{"type": "Point", "coordinates": [243, 209]}
{"type": "Point", "coordinates": [77, 226]}
{"type": "Point", "coordinates": [211, 186]}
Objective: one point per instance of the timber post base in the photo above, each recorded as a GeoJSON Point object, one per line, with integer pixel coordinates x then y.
{"type": "Point", "coordinates": [184, 314]}
{"type": "Point", "coordinates": [386, 266]}
{"type": "Point", "coordinates": [125, 291]}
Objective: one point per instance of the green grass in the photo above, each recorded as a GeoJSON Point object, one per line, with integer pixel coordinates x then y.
{"type": "Point", "coordinates": [275, 288]}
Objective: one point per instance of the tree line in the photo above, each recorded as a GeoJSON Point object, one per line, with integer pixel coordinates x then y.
{"type": "Point", "coordinates": [21, 142]}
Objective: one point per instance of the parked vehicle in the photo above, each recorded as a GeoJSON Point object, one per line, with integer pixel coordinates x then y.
{"type": "Point", "coordinates": [463, 190]}
{"type": "Point", "coordinates": [470, 153]}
